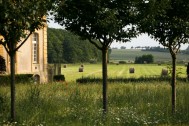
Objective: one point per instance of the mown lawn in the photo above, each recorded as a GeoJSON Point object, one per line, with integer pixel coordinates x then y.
{"type": "Point", "coordinates": [122, 70]}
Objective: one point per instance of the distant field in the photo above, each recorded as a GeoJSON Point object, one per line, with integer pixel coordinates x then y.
{"type": "Point", "coordinates": [95, 70]}
{"type": "Point", "coordinates": [130, 54]}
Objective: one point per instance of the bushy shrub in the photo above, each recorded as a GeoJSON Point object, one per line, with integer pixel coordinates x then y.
{"type": "Point", "coordinates": [2, 65]}
{"type": "Point", "coordinates": [19, 78]}
{"type": "Point", "coordinates": [122, 62]}
{"type": "Point", "coordinates": [58, 78]}
{"type": "Point", "coordinates": [89, 80]}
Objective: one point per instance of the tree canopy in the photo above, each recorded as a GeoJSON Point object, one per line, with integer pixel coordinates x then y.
{"type": "Point", "coordinates": [98, 19]}
{"type": "Point", "coordinates": [19, 19]}
{"type": "Point", "coordinates": [166, 21]}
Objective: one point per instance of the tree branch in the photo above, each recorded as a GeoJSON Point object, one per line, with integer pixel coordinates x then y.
{"type": "Point", "coordinates": [100, 41]}
{"type": "Point", "coordinates": [4, 45]}
{"type": "Point", "coordinates": [109, 44]}
{"type": "Point", "coordinates": [23, 41]}
{"type": "Point", "coordinates": [94, 43]}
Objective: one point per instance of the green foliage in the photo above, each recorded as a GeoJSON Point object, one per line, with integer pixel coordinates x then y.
{"type": "Point", "coordinates": [20, 78]}
{"type": "Point", "coordinates": [59, 78]}
{"type": "Point", "coordinates": [179, 71]}
{"type": "Point", "coordinates": [148, 58]}
{"type": "Point", "coordinates": [65, 47]}
{"type": "Point", "coordinates": [2, 65]}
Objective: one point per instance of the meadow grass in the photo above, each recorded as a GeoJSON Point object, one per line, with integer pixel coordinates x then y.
{"type": "Point", "coordinates": [129, 104]}
{"type": "Point", "coordinates": [73, 104]}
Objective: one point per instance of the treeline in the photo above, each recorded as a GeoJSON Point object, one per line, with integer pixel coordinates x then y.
{"type": "Point", "coordinates": [65, 47]}
{"type": "Point", "coordinates": [162, 49]}
{"type": "Point", "coordinates": [156, 49]}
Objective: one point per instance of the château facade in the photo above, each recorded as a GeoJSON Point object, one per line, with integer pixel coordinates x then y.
{"type": "Point", "coordinates": [31, 58]}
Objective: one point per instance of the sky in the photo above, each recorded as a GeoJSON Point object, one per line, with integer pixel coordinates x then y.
{"type": "Point", "coordinates": [142, 40]}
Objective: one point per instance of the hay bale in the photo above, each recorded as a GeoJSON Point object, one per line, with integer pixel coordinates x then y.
{"type": "Point", "coordinates": [185, 64]}
{"type": "Point", "coordinates": [80, 69]}
{"type": "Point", "coordinates": [164, 72]}
{"type": "Point", "coordinates": [65, 65]}
{"type": "Point", "coordinates": [159, 63]}
{"type": "Point", "coordinates": [131, 70]}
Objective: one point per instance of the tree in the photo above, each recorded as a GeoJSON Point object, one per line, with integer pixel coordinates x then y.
{"type": "Point", "coordinates": [104, 21]}
{"type": "Point", "coordinates": [19, 19]}
{"type": "Point", "coordinates": [167, 21]}
{"type": "Point", "coordinates": [148, 58]}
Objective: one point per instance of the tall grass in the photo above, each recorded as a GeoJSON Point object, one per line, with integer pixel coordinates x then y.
{"type": "Point", "coordinates": [131, 104]}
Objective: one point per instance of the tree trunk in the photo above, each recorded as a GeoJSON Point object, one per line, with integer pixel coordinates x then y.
{"type": "Point", "coordinates": [173, 82]}
{"type": "Point", "coordinates": [12, 79]}
{"type": "Point", "coordinates": [104, 75]}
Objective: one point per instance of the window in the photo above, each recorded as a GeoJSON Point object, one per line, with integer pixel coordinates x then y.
{"type": "Point", "coordinates": [35, 47]}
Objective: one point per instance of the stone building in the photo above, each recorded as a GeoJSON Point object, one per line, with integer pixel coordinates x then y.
{"type": "Point", "coordinates": [31, 58]}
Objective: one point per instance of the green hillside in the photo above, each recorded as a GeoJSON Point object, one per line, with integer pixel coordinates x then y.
{"type": "Point", "coordinates": [130, 54]}
{"type": "Point", "coordinates": [66, 47]}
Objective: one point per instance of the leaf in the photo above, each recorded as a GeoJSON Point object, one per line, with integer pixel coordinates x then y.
{"type": "Point", "coordinates": [34, 12]}
{"type": "Point", "coordinates": [28, 24]}
{"type": "Point", "coordinates": [6, 29]}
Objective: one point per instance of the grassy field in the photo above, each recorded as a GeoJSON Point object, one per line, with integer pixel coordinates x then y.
{"type": "Point", "coordinates": [130, 54]}
{"type": "Point", "coordinates": [131, 104]}
{"type": "Point", "coordinates": [122, 70]}
{"type": "Point", "coordinates": [74, 104]}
